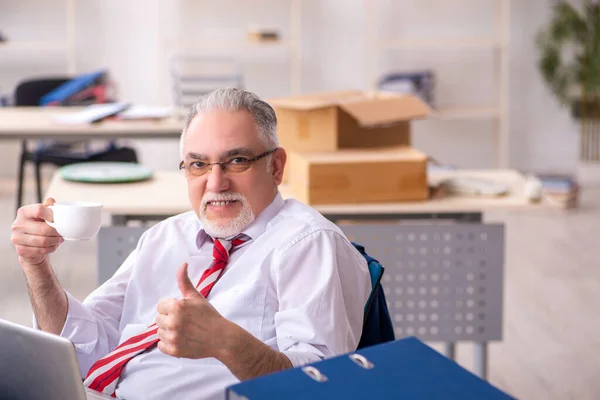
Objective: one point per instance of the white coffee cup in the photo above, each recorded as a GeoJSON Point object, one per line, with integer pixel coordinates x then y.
{"type": "Point", "coordinates": [76, 220]}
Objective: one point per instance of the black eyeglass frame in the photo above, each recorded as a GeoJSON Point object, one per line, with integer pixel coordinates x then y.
{"type": "Point", "coordinates": [224, 164]}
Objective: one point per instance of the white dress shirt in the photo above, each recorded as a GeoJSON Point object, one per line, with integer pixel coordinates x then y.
{"type": "Point", "coordinates": [299, 286]}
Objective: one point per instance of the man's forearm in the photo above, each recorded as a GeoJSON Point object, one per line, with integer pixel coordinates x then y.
{"type": "Point", "coordinates": [250, 358]}
{"type": "Point", "coordinates": [48, 299]}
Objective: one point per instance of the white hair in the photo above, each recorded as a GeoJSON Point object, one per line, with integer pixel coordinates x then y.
{"type": "Point", "coordinates": [232, 99]}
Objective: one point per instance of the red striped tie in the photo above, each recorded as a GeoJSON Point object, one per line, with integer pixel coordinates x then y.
{"type": "Point", "coordinates": [104, 374]}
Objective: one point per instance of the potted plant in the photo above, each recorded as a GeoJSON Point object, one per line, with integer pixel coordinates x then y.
{"type": "Point", "coordinates": [569, 63]}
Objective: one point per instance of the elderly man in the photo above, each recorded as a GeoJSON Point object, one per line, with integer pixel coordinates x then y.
{"type": "Point", "coordinates": [246, 284]}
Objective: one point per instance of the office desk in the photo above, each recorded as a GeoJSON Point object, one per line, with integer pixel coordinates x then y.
{"type": "Point", "coordinates": [20, 123]}
{"type": "Point", "coordinates": [166, 194]}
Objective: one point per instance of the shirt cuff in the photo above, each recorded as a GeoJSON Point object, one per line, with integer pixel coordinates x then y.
{"type": "Point", "coordinates": [300, 358]}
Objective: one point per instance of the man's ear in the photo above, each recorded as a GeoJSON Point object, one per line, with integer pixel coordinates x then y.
{"type": "Point", "coordinates": [278, 165]}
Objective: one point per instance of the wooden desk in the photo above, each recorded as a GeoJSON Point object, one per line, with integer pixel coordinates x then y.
{"type": "Point", "coordinates": [18, 123]}
{"type": "Point", "coordinates": [166, 194]}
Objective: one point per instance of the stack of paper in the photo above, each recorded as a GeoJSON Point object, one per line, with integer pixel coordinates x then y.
{"type": "Point", "coordinates": [92, 113]}
{"type": "Point", "coordinates": [146, 112]}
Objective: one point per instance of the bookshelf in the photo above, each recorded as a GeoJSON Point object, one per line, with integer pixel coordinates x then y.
{"type": "Point", "coordinates": [238, 44]}
{"type": "Point", "coordinates": [49, 45]}
{"type": "Point", "coordinates": [498, 43]}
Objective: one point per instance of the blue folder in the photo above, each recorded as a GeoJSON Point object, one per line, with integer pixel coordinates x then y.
{"type": "Point", "coordinates": [71, 87]}
{"type": "Point", "coordinates": [402, 369]}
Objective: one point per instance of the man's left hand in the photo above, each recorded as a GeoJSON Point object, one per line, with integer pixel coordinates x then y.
{"type": "Point", "coordinates": [191, 327]}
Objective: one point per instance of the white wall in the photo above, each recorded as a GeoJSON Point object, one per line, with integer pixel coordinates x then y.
{"type": "Point", "coordinates": [126, 38]}
{"type": "Point", "coordinates": [16, 22]}
{"type": "Point", "coordinates": [543, 135]}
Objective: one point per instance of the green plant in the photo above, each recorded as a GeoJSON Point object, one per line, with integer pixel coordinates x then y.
{"type": "Point", "coordinates": [570, 55]}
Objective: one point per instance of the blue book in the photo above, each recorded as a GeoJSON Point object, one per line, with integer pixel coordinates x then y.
{"type": "Point", "coordinates": [402, 369]}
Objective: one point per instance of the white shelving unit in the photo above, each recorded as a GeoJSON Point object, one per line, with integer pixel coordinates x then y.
{"type": "Point", "coordinates": [292, 44]}
{"type": "Point", "coordinates": [40, 45]}
{"type": "Point", "coordinates": [499, 43]}
{"type": "Point", "coordinates": [466, 113]}
{"type": "Point", "coordinates": [441, 42]}
{"type": "Point", "coordinates": [67, 45]}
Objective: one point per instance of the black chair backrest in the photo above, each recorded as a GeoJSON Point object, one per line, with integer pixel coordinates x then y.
{"type": "Point", "coordinates": [30, 92]}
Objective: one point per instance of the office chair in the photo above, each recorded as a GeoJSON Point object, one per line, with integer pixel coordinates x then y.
{"type": "Point", "coordinates": [29, 93]}
{"type": "Point", "coordinates": [195, 76]}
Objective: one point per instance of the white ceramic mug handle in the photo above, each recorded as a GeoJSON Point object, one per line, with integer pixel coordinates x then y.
{"type": "Point", "coordinates": [48, 222]}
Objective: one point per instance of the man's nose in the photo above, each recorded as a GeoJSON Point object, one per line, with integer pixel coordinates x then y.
{"type": "Point", "coordinates": [218, 180]}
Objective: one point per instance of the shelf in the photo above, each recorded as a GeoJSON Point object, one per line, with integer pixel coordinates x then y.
{"type": "Point", "coordinates": [496, 42]}
{"type": "Point", "coordinates": [42, 45]}
{"type": "Point", "coordinates": [224, 42]}
{"type": "Point", "coordinates": [482, 42]}
{"type": "Point", "coordinates": [466, 113]}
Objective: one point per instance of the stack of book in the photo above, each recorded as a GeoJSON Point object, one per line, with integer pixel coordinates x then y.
{"type": "Point", "coordinates": [561, 190]}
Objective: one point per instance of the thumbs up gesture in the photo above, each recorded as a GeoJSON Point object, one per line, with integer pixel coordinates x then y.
{"type": "Point", "coordinates": [191, 327]}
{"type": "Point", "coordinates": [186, 287]}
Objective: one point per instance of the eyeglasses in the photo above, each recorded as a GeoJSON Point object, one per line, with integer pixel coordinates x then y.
{"type": "Point", "coordinates": [236, 164]}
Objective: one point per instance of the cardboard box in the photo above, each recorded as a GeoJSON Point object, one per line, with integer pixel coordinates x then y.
{"type": "Point", "coordinates": [359, 176]}
{"type": "Point", "coordinates": [346, 119]}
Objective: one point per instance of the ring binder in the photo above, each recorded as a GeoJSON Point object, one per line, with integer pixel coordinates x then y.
{"type": "Point", "coordinates": [361, 361]}
{"type": "Point", "coordinates": [314, 374]}
{"type": "Point", "coordinates": [405, 369]}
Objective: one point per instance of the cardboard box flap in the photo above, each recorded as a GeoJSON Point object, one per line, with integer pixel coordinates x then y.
{"type": "Point", "coordinates": [386, 109]}
{"type": "Point", "coordinates": [397, 153]}
{"type": "Point", "coordinates": [318, 100]}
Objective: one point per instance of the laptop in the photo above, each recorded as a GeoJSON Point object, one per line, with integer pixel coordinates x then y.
{"type": "Point", "coordinates": [39, 365]}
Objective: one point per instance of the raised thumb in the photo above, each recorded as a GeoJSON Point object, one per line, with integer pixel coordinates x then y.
{"type": "Point", "coordinates": [185, 285]}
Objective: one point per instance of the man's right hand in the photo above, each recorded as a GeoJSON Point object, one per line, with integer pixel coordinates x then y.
{"type": "Point", "coordinates": [32, 237]}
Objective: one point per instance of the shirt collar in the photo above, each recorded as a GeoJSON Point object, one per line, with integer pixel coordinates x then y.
{"type": "Point", "coordinates": [257, 227]}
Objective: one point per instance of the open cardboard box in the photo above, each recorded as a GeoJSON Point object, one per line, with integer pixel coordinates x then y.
{"type": "Point", "coordinates": [350, 119]}
{"type": "Point", "coordinates": [346, 119]}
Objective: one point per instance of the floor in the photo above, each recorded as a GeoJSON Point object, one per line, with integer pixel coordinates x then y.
{"type": "Point", "coordinates": [551, 345]}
